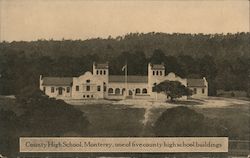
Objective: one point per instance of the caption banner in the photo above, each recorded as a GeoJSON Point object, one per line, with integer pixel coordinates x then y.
{"type": "Point", "coordinates": [124, 144]}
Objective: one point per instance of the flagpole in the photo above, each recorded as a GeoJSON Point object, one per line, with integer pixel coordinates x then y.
{"type": "Point", "coordinates": [126, 79]}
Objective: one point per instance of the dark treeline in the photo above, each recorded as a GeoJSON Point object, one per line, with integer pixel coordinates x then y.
{"type": "Point", "coordinates": [223, 59]}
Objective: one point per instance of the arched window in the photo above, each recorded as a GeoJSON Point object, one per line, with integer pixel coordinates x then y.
{"type": "Point", "coordinates": [110, 90]}
{"type": "Point", "coordinates": [97, 72]}
{"type": "Point", "coordinates": [104, 72]}
{"type": "Point", "coordinates": [137, 91]}
{"type": "Point", "coordinates": [123, 90]}
{"type": "Point", "coordinates": [144, 91]}
{"type": "Point", "coordinates": [157, 73]}
{"type": "Point", "coordinates": [87, 81]}
{"type": "Point", "coordinates": [153, 72]}
{"type": "Point", "coordinates": [104, 87]}
{"type": "Point", "coordinates": [68, 89]}
{"type": "Point", "coordinates": [100, 72]}
{"type": "Point", "coordinates": [117, 91]}
{"type": "Point", "coordinates": [160, 73]}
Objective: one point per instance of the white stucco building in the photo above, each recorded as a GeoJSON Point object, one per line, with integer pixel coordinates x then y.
{"type": "Point", "coordinates": [98, 84]}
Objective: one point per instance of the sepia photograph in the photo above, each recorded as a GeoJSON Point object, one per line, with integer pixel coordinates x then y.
{"type": "Point", "coordinates": [124, 79]}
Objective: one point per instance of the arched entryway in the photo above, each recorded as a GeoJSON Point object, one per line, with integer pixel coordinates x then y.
{"type": "Point", "coordinates": [60, 91]}
{"type": "Point", "coordinates": [130, 92]}
{"type": "Point", "coordinates": [117, 91]}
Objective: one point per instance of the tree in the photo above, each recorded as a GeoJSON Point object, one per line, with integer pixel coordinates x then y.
{"type": "Point", "coordinates": [43, 116]}
{"type": "Point", "coordinates": [9, 125]}
{"type": "Point", "coordinates": [182, 121]}
{"type": "Point", "coordinates": [157, 57]}
{"type": "Point", "coordinates": [173, 89]}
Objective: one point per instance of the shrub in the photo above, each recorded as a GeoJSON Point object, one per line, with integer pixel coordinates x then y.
{"type": "Point", "coordinates": [182, 121]}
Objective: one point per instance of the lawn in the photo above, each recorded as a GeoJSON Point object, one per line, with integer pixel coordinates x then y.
{"type": "Point", "coordinates": [130, 118]}
{"type": "Point", "coordinates": [117, 119]}
{"type": "Point", "coordinates": [114, 120]}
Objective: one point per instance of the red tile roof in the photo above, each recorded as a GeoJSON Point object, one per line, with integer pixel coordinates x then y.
{"type": "Point", "coordinates": [131, 78]}
{"type": "Point", "coordinates": [196, 83]}
{"type": "Point", "coordinates": [57, 81]}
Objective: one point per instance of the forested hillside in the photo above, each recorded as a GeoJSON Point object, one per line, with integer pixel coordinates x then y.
{"type": "Point", "coordinates": [195, 45]}
{"type": "Point", "coordinates": [223, 59]}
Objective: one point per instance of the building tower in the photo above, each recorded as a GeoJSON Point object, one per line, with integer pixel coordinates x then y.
{"type": "Point", "coordinates": [156, 73]}
{"type": "Point", "coordinates": [101, 71]}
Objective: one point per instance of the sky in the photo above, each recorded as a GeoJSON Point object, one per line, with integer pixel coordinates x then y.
{"type": "Point", "coordinates": [29, 20]}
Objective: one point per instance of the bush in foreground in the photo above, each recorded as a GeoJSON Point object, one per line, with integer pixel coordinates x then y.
{"type": "Point", "coordinates": [182, 121]}
{"type": "Point", "coordinates": [39, 116]}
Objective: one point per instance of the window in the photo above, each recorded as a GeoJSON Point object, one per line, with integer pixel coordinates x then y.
{"type": "Point", "coordinates": [100, 72]}
{"type": "Point", "coordinates": [123, 90]}
{"type": "Point", "coordinates": [153, 72]}
{"type": "Point", "coordinates": [97, 72]}
{"type": "Point", "coordinates": [104, 87]}
{"type": "Point", "coordinates": [77, 88]}
{"type": "Point", "coordinates": [110, 90]}
{"type": "Point", "coordinates": [83, 96]}
{"type": "Point", "coordinates": [52, 89]}
{"type": "Point", "coordinates": [144, 91]}
{"type": "Point", "coordinates": [60, 90]}
{"type": "Point", "coordinates": [68, 90]}
{"type": "Point", "coordinates": [104, 72]}
{"type": "Point", "coordinates": [98, 88]}
{"type": "Point", "coordinates": [92, 96]}
{"type": "Point", "coordinates": [87, 88]}
{"type": "Point", "coordinates": [44, 89]}
{"type": "Point", "coordinates": [87, 96]}
{"type": "Point", "coordinates": [137, 91]}
{"type": "Point", "coordinates": [117, 91]}
{"type": "Point", "coordinates": [160, 73]}
{"type": "Point", "coordinates": [157, 73]}
{"type": "Point", "coordinates": [195, 91]}
{"type": "Point", "coordinates": [203, 90]}
{"type": "Point", "coordinates": [87, 81]}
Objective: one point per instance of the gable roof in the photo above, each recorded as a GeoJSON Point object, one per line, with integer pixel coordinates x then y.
{"type": "Point", "coordinates": [57, 81]}
{"type": "Point", "coordinates": [196, 83]}
{"type": "Point", "coordinates": [131, 78]}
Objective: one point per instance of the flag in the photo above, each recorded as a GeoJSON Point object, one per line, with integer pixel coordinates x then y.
{"type": "Point", "coordinates": [124, 67]}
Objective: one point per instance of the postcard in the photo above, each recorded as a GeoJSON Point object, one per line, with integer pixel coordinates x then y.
{"type": "Point", "coordinates": [124, 78]}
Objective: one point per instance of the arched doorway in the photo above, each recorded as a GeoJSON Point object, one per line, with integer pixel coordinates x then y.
{"type": "Point", "coordinates": [117, 91]}
{"type": "Point", "coordinates": [130, 93]}
{"type": "Point", "coordinates": [60, 91]}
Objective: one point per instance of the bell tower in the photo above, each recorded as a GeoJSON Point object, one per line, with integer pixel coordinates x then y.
{"type": "Point", "coordinates": [156, 73]}
{"type": "Point", "coordinates": [101, 71]}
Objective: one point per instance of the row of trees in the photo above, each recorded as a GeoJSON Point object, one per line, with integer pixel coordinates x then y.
{"type": "Point", "coordinates": [219, 46]}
